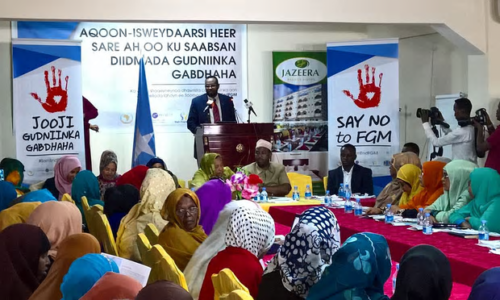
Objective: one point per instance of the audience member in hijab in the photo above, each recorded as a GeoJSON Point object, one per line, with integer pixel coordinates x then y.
{"type": "Point", "coordinates": [134, 176]}
{"type": "Point", "coordinates": [42, 196]}
{"type": "Point", "coordinates": [13, 171]}
{"type": "Point", "coordinates": [24, 260]}
{"type": "Point", "coordinates": [487, 286]}
{"type": "Point", "coordinates": [183, 233]}
{"type": "Point", "coordinates": [86, 184]}
{"type": "Point", "coordinates": [424, 273]}
{"type": "Point", "coordinates": [73, 247]}
{"type": "Point", "coordinates": [211, 166]}
{"type": "Point", "coordinates": [213, 195]}
{"type": "Point", "coordinates": [107, 171]}
{"type": "Point", "coordinates": [65, 172]}
{"type": "Point", "coordinates": [114, 286]}
{"type": "Point", "coordinates": [197, 267]}
{"type": "Point", "coordinates": [249, 235]}
{"type": "Point", "coordinates": [409, 178]}
{"type": "Point", "coordinates": [58, 219]}
{"type": "Point", "coordinates": [7, 194]}
{"type": "Point", "coordinates": [307, 251]}
{"type": "Point", "coordinates": [456, 176]}
{"type": "Point", "coordinates": [359, 270]}
{"type": "Point", "coordinates": [393, 191]}
{"type": "Point", "coordinates": [155, 189]}
{"type": "Point", "coordinates": [17, 214]}
{"type": "Point", "coordinates": [485, 205]}
{"type": "Point", "coordinates": [163, 290]}
{"type": "Point", "coordinates": [157, 162]}
{"type": "Point", "coordinates": [118, 201]}
{"type": "Point", "coordinates": [431, 181]}
{"type": "Point", "coordinates": [83, 273]}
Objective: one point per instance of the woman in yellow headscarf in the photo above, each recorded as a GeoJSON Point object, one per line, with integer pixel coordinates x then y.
{"type": "Point", "coordinates": [409, 177]}
{"type": "Point", "coordinates": [211, 166]}
{"type": "Point", "coordinates": [183, 233]}
{"type": "Point", "coordinates": [155, 189]}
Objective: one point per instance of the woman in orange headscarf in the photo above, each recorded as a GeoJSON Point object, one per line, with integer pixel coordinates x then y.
{"type": "Point", "coordinates": [183, 233]}
{"type": "Point", "coordinates": [432, 183]}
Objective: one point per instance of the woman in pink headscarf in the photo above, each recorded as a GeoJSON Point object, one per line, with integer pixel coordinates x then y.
{"type": "Point", "coordinates": [65, 171]}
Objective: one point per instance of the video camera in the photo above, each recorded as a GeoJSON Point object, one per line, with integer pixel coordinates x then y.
{"type": "Point", "coordinates": [480, 117]}
{"type": "Point", "coordinates": [434, 114]}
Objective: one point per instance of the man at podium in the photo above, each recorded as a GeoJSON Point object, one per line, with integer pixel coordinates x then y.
{"type": "Point", "coordinates": [211, 107]}
{"type": "Point", "coordinates": [272, 174]}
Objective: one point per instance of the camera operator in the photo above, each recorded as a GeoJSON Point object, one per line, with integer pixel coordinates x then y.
{"type": "Point", "coordinates": [492, 143]}
{"type": "Point", "coordinates": [461, 139]}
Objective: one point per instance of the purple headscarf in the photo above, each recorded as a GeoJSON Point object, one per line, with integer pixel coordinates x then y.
{"type": "Point", "coordinates": [213, 195]}
{"type": "Point", "coordinates": [487, 285]}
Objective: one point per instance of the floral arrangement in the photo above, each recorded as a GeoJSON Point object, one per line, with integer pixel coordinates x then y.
{"type": "Point", "coordinates": [243, 185]}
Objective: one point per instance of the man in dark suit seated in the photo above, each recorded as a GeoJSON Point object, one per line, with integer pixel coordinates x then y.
{"type": "Point", "coordinates": [357, 177]}
{"type": "Point", "coordinates": [211, 107]}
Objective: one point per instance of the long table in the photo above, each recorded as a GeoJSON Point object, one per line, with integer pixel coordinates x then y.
{"type": "Point", "coordinates": [369, 202]}
{"type": "Point", "coordinates": [467, 260]}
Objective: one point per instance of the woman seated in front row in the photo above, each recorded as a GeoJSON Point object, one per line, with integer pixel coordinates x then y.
{"type": "Point", "coordinates": [456, 176]}
{"type": "Point", "coordinates": [211, 166]}
{"type": "Point", "coordinates": [484, 189]}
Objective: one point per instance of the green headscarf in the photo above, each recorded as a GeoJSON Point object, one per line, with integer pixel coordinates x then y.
{"type": "Point", "coordinates": [486, 202]}
{"type": "Point", "coordinates": [86, 184]}
{"type": "Point", "coordinates": [459, 174]}
{"type": "Point", "coordinates": [10, 165]}
{"type": "Point", "coordinates": [358, 270]}
{"type": "Point", "coordinates": [207, 170]}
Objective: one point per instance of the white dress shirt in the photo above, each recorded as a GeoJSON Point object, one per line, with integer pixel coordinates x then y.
{"type": "Point", "coordinates": [347, 177]}
{"type": "Point", "coordinates": [461, 139]}
{"type": "Point", "coordinates": [217, 102]}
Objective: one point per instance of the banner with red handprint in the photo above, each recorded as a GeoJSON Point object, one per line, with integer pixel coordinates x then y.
{"type": "Point", "coordinates": [48, 109]}
{"type": "Point", "coordinates": [363, 101]}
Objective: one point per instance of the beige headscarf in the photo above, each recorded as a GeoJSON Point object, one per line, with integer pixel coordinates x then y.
{"type": "Point", "coordinates": [155, 189]}
{"type": "Point", "coordinates": [58, 219]}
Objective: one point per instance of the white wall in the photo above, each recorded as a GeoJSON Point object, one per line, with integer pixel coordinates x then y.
{"type": "Point", "coordinates": [449, 76]}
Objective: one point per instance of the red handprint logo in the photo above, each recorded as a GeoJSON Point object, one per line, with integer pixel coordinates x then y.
{"type": "Point", "coordinates": [57, 97]}
{"type": "Point", "coordinates": [369, 93]}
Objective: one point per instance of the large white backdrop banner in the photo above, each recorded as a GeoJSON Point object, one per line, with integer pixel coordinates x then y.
{"type": "Point", "coordinates": [363, 101]}
{"type": "Point", "coordinates": [47, 96]}
{"type": "Point", "coordinates": [178, 57]}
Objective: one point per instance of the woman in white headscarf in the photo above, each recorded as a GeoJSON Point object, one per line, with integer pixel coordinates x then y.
{"type": "Point", "coordinates": [197, 267]}
{"type": "Point", "coordinates": [155, 189]}
{"type": "Point", "coordinates": [250, 234]}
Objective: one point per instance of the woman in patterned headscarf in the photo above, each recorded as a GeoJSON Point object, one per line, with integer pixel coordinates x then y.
{"type": "Point", "coordinates": [358, 270]}
{"type": "Point", "coordinates": [318, 235]}
{"type": "Point", "coordinates": [107, 168]}
{"type": "Point", "coordinates": [155, 189]}
{"type": "Point", "coordinates": [249, 236]}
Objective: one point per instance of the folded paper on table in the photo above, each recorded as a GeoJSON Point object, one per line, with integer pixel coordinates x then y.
{"type": "Point", "coordinates": [127, 267]}
{"type": "Point", "coordinates": [490, 244]}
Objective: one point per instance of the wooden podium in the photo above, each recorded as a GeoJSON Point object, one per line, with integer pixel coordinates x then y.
{"type": "Point", "coordinates": [234, 142]}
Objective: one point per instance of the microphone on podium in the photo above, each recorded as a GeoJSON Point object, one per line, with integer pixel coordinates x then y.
{"type": "Point", "coordinates": [209, 104]}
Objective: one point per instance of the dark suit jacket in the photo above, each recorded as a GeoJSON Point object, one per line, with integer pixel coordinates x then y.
{"type": "Point", "coordinates": [361, 180]}
{"type": "Point", "coordinates": [197, 116]}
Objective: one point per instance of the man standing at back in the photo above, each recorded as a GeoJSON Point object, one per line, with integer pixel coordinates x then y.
{"type": "Point", "coordinates": [357, 177]}
{"type": "Point", "coordinates": [211, 107]}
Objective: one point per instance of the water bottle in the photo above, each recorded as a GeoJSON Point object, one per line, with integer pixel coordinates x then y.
{"type": "Point", "coordinates": [1, 175]}
{"type": "Point", "coordinates": [296, 194]}
{"type": "Point", "coordinates": [341, 191]}
{"type": "Point", "coordinates": [394, 277]}
{"type": "Point", "coordinates": [327, 199]}
{"type": "Point", "coordinates": [347, 192]}
{"type": "Point", "coordinates": [484, 233]}
{"type": "Point", "coordinates": [308, 193]}
{"type": "Point", "coordinates": [278, 144]}
{"type": "Point", "coordinates": [427, 229]}
{"type": "Point", "coordinates": [263, 195]}
{"type": "Point", "coordinates": [348, 206]}
{"type": "Point", "coordinates": [358, 209]}
{"type": "Point", "coordinates": [389, 216]}
{"type": "Point", "coordinates": [420, 217]}
{"type": "Point", "coordinates": [257, 197]}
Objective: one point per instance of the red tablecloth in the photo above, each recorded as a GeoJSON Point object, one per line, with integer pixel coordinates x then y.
{"type": "Point", "coordinates": [466, 258]}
